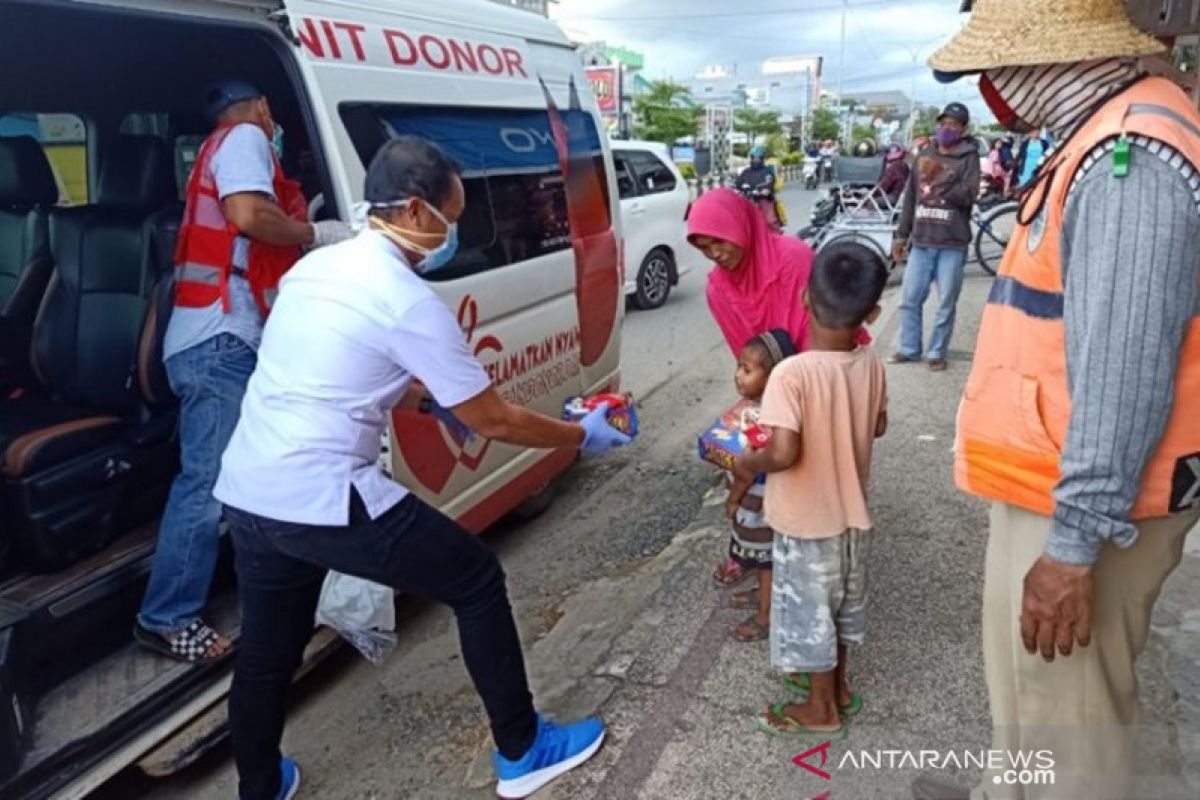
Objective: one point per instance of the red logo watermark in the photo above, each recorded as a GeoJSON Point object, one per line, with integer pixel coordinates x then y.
{"type": "Point", "coordinates": [802, 760]}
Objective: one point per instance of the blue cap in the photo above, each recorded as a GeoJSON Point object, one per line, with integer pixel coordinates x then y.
{"type": "Point", "coordinates": [758, 152]}
{"type": "Point", "coordinates": [223, 94]}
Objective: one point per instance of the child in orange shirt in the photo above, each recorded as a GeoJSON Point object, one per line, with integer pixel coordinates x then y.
{"type": "Point", "coordinates": [825, 408]}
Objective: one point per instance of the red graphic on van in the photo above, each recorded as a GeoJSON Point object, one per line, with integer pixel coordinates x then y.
{"type": "Point", "coordinates": [431, 450]}
{"type": "Point", "coordinates": [596, 264]}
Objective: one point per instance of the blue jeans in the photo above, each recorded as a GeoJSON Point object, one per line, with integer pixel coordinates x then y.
{"type": "Point", "coordinates": [926, 266]}
{"type": "Point", "coordinates": [210, 380]}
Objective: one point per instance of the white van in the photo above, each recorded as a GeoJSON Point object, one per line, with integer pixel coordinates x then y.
{"type": "Point", "coordinates": [100, 121]}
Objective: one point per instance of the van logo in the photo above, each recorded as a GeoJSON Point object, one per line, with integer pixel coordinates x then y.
{"type": "Point", "coordinates": [525, 140]}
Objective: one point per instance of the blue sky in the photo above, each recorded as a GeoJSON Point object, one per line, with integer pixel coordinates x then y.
{"type": "Point", "coordinates": [882, 37]}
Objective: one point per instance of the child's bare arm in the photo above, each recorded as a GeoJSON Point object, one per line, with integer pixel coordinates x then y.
{"type": "Point", "coordinates": [738, 487]}
{"type": "Point", "coordinates": [782, 452]}
{"type": "Point", "coordinates": [881, 424]}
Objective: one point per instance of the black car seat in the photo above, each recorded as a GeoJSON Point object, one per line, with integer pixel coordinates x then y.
{"type": "Point", "coordinates": [90, 452]}
{"type": "Point", "coordinates": [28, 192]}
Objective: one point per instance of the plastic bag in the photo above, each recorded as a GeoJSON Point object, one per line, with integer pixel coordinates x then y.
{"type": "Point", "coordinates": [363, 612]}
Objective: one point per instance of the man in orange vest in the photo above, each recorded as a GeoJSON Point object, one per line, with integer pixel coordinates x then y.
{"type": "Point", "coordinates": [1081, 418]}
{"type": "Point", "coordinates": [244, 225]}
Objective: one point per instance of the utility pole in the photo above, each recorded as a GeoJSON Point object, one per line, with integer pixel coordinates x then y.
{"type": "Point", "coordinates": [842, 72]}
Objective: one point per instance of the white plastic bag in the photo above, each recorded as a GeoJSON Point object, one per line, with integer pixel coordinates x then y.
{"type": "Point", "coordinates": [363, 612]}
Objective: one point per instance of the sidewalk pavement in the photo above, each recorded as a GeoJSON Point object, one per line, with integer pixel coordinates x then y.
{"type": "Point", "coordinates": [651, 651]}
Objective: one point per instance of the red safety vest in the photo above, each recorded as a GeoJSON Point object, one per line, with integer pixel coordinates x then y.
{"type": "Point", "coordinates": [204, 254]}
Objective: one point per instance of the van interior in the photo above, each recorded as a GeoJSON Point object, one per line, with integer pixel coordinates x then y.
{"type": "Point", "coordinates": [100, 120]}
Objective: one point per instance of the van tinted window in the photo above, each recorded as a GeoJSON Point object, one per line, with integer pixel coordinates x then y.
{"type": "Point", "coordinates": [516, 193]}
{"type": "Point", "coordinates": [63, 137]}
{"type": "Point", "coordinates": [653, 175]}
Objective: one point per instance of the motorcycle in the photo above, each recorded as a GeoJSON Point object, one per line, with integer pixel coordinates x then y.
{"type": "Point", "coordinates": [810, 169]}
{"type": "Point", "coordinates": [763, 197]}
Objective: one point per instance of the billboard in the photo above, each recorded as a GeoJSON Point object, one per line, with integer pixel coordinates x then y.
{"type": "Point", "coordinates": [606, 86]}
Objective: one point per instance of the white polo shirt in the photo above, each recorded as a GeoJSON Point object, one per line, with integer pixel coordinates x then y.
{"type": "Point", "coordinates": [351, 328]}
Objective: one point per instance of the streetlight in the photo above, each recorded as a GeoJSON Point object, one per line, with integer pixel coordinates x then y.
{"type": "Point", "coordinates": [915, 52]}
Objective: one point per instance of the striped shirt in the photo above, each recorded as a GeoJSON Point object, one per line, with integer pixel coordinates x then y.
{"type": "Point", "coordinates": [1130, 257]}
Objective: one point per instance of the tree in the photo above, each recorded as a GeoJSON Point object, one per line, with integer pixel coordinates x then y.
{"type": "Point", "coordinates": [862, 133]}
{"type": "Point", "coordinates": [662, 116]}
{"type": "Point", "coordinates": [926, 121]}
{"type": "Point", "coordinates": [824, 124]}
{"type": "Point", "coordinates": [756, 123]}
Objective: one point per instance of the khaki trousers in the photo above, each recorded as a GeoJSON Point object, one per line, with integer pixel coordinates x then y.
{"type": "Point", "coordinates": [1083, 708]}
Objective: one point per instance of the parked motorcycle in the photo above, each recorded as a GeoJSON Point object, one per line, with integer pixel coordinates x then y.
{"type": "Point", "coordinates": [810, 169]}
{"type": "Point", "coordinates": [762, 195]}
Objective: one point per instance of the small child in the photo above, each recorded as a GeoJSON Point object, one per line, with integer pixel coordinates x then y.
{"type": "Point", "coordinates": [752, 539]}
{"type": "Point", "coordinates": [824, 407]}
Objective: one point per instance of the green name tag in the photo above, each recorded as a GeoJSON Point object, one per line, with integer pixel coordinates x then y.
{"type": "Point", "coordinates": [1121, 157]}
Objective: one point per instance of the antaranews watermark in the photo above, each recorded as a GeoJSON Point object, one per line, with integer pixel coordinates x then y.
{"type": "Point", "coordinates": [1010, 768]}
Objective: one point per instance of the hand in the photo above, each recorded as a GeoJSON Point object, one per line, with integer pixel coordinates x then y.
{"type": "Point", "coordinates": [899, 251]}
{"type": "Point", "coordinates": [456, 426]}
{"type": "Point", "coordinates": [731, 507]}
{"type": "Point", "coordinates": [598, 436]}
{"type": "Point", "coordinates": [330, 231]}
{"type": "Point", "coordinates": [1056, 608]}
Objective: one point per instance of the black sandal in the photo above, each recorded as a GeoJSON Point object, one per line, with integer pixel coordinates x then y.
{"type": "Point", "coordinates": [190, 645]}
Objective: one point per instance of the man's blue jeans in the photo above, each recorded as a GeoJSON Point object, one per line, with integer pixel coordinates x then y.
{"type": "Point", "coordinates": [210, 380]}
{"type": "Point", "coordinates": [926, 266]}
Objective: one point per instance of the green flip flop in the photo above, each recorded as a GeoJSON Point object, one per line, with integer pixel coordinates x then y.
{"type": "Point", "coordinates": [793, 729]}
{"type": "Point", "coordinates": [800, 687]}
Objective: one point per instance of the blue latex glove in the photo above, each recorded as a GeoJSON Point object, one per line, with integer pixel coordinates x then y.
{"type": "Point", "coordinates": [599, 436]}
{"type": "Point", "coordinates": [457, 428]}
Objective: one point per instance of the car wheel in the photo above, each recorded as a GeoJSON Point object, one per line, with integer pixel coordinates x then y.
{"type": "Point", "coordinates": [654, 280]}
{"type": "Point", "coordinates": [536, 504]}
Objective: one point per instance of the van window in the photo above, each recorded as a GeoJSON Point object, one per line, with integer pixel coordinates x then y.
{"type": "Point", "coordinates": [653, 175]}
{"type": "Point", "coordinates": [63, 137]}
{"type": "Point", "coordinates": [626, 183]}
{"type": "Point", "coordinates": [516, 194]}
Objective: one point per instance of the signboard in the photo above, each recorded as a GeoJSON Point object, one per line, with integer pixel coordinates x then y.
{"type": "Point", "coordinates": [606, 85]}
{"type": "Point", "coordinates": [683, 154]}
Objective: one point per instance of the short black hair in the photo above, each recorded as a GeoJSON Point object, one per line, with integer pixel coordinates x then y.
{"type": "Point", "coordinates": [847, 282]}
{"type": "Point", "coordinates": [776, 345]}
{"type": "Point", "coordinates": [409, 166]}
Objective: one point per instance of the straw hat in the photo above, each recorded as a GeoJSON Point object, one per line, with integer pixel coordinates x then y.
{"type": "Point", "coordinates": [1010, 33]}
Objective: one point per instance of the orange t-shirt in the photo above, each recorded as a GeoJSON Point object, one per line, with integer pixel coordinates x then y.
{"type": "Point", "coordinates": [833, 400]}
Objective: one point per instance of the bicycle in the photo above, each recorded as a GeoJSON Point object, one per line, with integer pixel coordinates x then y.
{"type": "Point", "coordinates": [995, 227]}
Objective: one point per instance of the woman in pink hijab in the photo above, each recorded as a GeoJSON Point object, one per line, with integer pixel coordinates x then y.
{"type": "Point", "coordinates": [754, 288]}
{"type": "Point", "coordinates": [759, 274]}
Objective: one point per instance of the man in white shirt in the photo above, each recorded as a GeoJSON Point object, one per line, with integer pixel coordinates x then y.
{"type": "Point", "coordinates": [244, 224]}
{"type": "Point", "coordinates": [354, 325]}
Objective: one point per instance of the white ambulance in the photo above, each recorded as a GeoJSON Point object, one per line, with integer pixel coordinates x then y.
{"type": "Point", "coordinates": [100, 120]}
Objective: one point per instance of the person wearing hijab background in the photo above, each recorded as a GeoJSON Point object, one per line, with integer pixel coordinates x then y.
{"type": "Point", "coordinates": [755, 287]}
{"type": "Point", "coordinates": [1081, 418]}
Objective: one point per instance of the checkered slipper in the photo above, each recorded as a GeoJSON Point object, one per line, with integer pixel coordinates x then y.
{"type": "Point", "coordinates": [190, 645]}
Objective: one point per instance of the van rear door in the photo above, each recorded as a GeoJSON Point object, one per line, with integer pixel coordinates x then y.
{"type": "Point", "coordinates": [474, 80]}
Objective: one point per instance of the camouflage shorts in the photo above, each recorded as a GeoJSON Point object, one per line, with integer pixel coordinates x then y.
{"type": "Point", "coordinates": [819, 599]}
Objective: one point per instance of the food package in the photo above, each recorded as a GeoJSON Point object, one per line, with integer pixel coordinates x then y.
{"type": "Point", "coordinates": [732, 434]}
{"type": "Point", "coordinates": [622, 414]}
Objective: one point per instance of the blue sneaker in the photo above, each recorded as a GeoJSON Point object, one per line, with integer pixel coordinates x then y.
{"type": "Point", "coordinates": [289, 773]}
{"type": "Point", "coordinates": [558, 749]}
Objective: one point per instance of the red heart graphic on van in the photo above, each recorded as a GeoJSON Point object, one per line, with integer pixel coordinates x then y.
{"type": "Point", "coordinates": [424, 448]}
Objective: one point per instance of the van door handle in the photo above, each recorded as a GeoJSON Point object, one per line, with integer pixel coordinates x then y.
{"type": "Point", "coordinates": [636, 209]}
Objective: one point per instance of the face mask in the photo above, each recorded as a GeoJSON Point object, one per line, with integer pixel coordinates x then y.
{"type": "Point", "coordinates": [277, 140]}
{"type": "Point", "coordinates": [433, 258]}
{"type": "Point", "coordinates": [947, 136]}
{"type": "Point", "coordinates": [1005, 114]}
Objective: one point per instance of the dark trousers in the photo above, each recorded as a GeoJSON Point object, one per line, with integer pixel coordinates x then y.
{"type": "Point", "coordinates": [412, 547]}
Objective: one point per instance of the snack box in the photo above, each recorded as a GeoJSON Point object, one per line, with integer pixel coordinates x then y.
{"type": "Point", "coordinates": [622, 414]}
{"type": "Point", "coordinates": [732, 434]}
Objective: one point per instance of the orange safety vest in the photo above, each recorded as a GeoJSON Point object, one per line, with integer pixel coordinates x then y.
{"type": "Point", "coordinates": [1014, 413]}
{"type": "Point", "coordinates": [204, 254]}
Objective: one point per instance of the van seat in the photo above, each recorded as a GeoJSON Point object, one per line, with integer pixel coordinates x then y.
{"type": "Point", "coordinates": [28, 191]}
{"type": "Point", "coordinates": [87, 454]}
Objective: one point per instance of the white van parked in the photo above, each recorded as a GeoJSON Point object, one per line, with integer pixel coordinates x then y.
{"type": "Point", "coordinates": [100, 121]}
{"type": "Point", "coordinates": [654, 204]}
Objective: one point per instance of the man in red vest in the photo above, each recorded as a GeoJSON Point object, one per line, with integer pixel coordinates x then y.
{"type": "Point", "coordinates": [1080, 421]}
{"type": "Point", "coordinates": [244, 225]}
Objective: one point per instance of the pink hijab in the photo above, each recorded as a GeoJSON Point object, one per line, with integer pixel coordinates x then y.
{"type": "Point", "coordinates": [764, 292]}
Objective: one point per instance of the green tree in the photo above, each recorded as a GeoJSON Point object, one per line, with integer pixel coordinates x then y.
{"type": "Point", "coordinates": [926, 121]}
{"type": "Point", "coordinates": [663, 116]}
{"type": "Point", "coordinates": [824, 124]}
{"type": "Point", "coordinates": [862, 133]}
{"type": "Point", "coordinates": [756, 123]}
